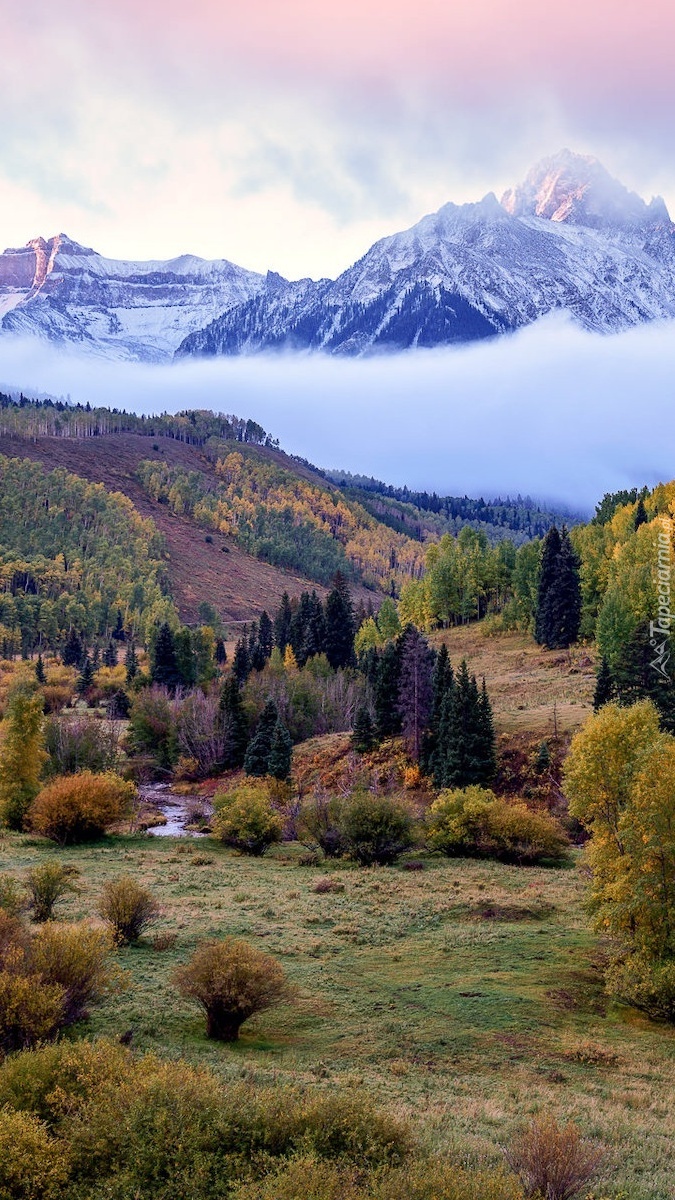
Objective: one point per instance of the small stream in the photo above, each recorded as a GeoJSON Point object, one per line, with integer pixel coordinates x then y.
{"type": "Point", "coordinates": [178, 810]}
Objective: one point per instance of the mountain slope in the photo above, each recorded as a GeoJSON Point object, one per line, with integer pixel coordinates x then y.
{"type": "Point", "coordinates": [68, 294]}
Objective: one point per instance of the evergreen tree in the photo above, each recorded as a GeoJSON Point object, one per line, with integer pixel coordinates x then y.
{"type": "Point", "coordinates": [265, 635]}
{"type": "Point", "coordinates": [86, 677]}
{"type": "Point", "coordinates": [131, 663]}
{"type": "Point", "coordinates": [256, 761]}
{"type": "Point", "coordinates": [164, 670]}
{"type": "Point", "coordinates": [234, 723]}
{"type": "Point", "coordinates": [298, 630]}
{"type": "Point", "coordinates": [110, 655]}
{"type": "Point", "coordinates": [415, 692]}
{"type": "Point", "coordinates": [241, 667]}
{"type": "Point", "coordinates": [314, 641]}
{"type": "Point", "coordinates": [220, 653]}
{"type": "Point", "coordinates": [22, 754]}
{"type": "Point", "coordinates": [340, 625]}
{"type": "Point", "coordinates": [442, 683]}
{"type": "Point", "coordinates": [604, 685]}
{"type": "Point", "coordinates": [73, 652]}
{"type": "Point", "coordinates": [634, 678]}
{"type": "Point", "coordinates": [465, 753]}
{"type": "Point", "coordinates": [488, 748]}
{"type": "Point", "coordinates": [543, 762]}
{"type": "Point", "coordinates": [96, 658]}
{"type": "Point", "coordinates": [363, 733]}
{"type": "Point", "coordinates": [40, 670]}
{"type": "Point", "coordinates": [385, 691]}
{"type": "Point", "coordinates": [640, 517]}
{"type": "Point", "coordinates": [118, 632]}
{"type": "Point", "coordinates": [282, 623]}
{"type": "Point", "coordinates": [558, 614]}
{"type": "Point", "coordinates": [186, 664]}
{"type": "Point", "coordinates": [281, 752]}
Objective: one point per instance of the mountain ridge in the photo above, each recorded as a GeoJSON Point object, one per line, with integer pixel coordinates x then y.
{"type": "Point", "coordinates": [570, 238]}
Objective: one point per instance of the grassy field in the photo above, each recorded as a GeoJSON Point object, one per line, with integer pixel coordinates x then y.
{"type": "Point", "coordinates": [467, 994]}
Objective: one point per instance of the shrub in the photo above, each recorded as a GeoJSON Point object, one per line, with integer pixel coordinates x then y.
{"type": "Point", "coordinates": [152, 726]}
{"type": "Point", "coordinates": [646, 984]}
{"type": "Point", "coordinates": [75, 958]}
{"type": "Point", "coordinates": [47, 884]}
{"type": "Point", "coordinates": [474, 822]}
{"type": "Point", "coordinates": [348, 1126]}
{"type": "Point", "coordinates": [13, 936]}
{"type": "Point", "coordinates": [127, 908]}
{"type": "Point", "coordinates": [320, 822]}
{"type": "Point", "coordinates": [80, 742]}
{"type": "Point", "coordinates": [244, 818]}
{"type": "Point", "coordinates": [232, 981]}
{"type": "Point", "coordinates": [12, 898]}
{"type": "Point", "coordinates": [53, 1081]}
{"type": "Point", "coordinates": [553, 1161]}
{"type": "Point", "coordinates": [33, 1165]}
{"type": "Point", "coordinates": [30, 1011]}
{"type": "Point", "coordinates": [80, 808]}
{"type": "Point", "coordinates": [325, 884]}
{"type": "Point", "coordinates": [376, 829]}
{"type": "Point", "coordinates": [303, 1179]}
{"type": "Point", "coordinates": [435, 1180]}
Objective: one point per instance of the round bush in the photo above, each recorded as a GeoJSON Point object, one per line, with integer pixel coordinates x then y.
{"type": "Point", "coordinates": [30, 1011]}
{"type": "Point", "coordinates": [47, 884]}
{"type": "Point", "coordinates": [80, 808]}
{"type": "Point", "coordinates": [473, 822]}
{"type": "Point", "coordinates": [245, 819]}
{"type": "Point", "coordinates": [127, 908]}
{"type": "Point", "coordinates": [33, 1165]}
{"type": "Point", "coordinates": [376, 829]}
{"type": "Point", "coordinates": [77, 959]}
{"type": "Point", "coordinates": [232, 981]}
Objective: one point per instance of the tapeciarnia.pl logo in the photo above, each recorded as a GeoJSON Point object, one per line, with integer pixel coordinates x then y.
{"type": "Point", "coordinates": [659, 630]}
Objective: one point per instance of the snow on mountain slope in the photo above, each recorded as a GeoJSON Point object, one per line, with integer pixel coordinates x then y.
{"type": "Point", "coordinates": [569, 239]}
{"type": "Point", "coordinates": [68, 294]}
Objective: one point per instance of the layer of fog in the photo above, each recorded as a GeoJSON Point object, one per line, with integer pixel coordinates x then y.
{"type": "Point", "coordinates": [552, 412]}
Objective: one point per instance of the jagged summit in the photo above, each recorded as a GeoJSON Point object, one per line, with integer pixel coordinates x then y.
{"type": "Point", "coordinates": [577, 188]}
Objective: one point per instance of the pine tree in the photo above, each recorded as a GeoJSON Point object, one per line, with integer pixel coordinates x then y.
{"type": "Point", "coordinates": [220, 653]}
{"type": "Point", "coordinates": [241, 667]}
{"type": "Point", "coordinates": [314, 641]}
{"type": "Point", "coordinates": [281, 752]}
{"type": "Point", "coordinates": [22, 754]}
{"type": "Point", "coordinates": [463, 754]}
{"type": "Point", "coordinates": [259, 748]}
{"type": "Point", "coordinates": [234, 723]}
{"type": "Point", "coordinates": [415, 692]}
{"type": "Point", "coordinates": [558, 614]}
{"type": "Point", "coordinates": [604, 685]}
{"type": "Point", "coordinates": [186, 663]}
{"type": "Point", "coordinates": [363, 733]}
{"type": "Point", "coordinates": [118, 632]}
{"type": "Point", "coordinates": [488, 749]}
{"type": "Point", "coordinates": [96, 658]}
{"type": "Point", "coordinates": [131, 663]}
{"type": "Point", "coordinates": [265, 635]}
{"type": "Point", "coordinates": [340, 625]}
{"type": "Point", "coordinates": [385, 691]}
{"type": "Point", "coordinates": [40, 670]}
{"type": "Point", "coordinates": [543, 761]}
{"type": "Point", "coordinates": [73, 652]}
{"type": "Point", "coordinates": [282, 623]}
{"type": "Point", "coordinates": [634, 678]}
{"type": "Point", "coordinates": [86, 677]}
{"type": "Point", "coordinates": [164, 669]}
{"type": "Point", "coordinates": [298, 630]}
{"type": "Point", "coordinates": [110, 655]}
{"type": "Point", "coordinates": [640, 517]}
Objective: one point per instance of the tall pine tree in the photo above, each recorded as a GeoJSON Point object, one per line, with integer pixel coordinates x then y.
{"type": "Point", "coordinates": [558, 614]}
{"type": "Point", "coordinates": [282, 623]}
{"type": "Point", "coordinates": [256, 761]}
{"type": "Point", "coordinates": [415, 692]}
{"type": "Point", "coordinates": [234, 724]}
{"type": "Point", "coordinates": [164, 669]}
{"type": "Point", "coordinates": [340, 625]}
{"type": "Point", "coordinates": [281, 752]}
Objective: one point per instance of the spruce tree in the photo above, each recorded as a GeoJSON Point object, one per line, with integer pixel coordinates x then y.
{"type": "Point", "coordinates": [314, 641]}
{"type": "Point", "coordinates": [465, 753]}
{"type": "Point", "coordinates": [220, 653]}
{"type": "Point", "coordinates": [340, 625]}
{"type": "Point", "coordinates": [558, 614]}
{"type": "Point", "coordinates": [86, 677]}
{"type": "Point", "coordinates": [640, 517]}
{"type": "Point", "coordinates": [131, 663]}
{"type": "Point", "coordinates": [298, 629]}
{"type": "Point", "coordinates": [488, 749]}
{"type": "Point", "coordinates": [543, 761]}
{"type": "Point", "coordinates": [415, 692]}
{"type": "Point", "coordinates": [110, 655]}
{"type": "Point", "coordinates": [256, 761]}
{"type": "Point", "coordinates": [164, 669]}
{"type": "Point", "coordinates": [281, 752]}
{"type": "Point", "coordinates": [604, 685]}
{"type": "Point", "coordinates": [385, 691]}
{"type": "Point", "coordinates": [118, 632]}
{"type": "Point", "coordinates": [256, 653]}
{"type": "Point", "coordinates": [241, 667]}
{"type": "Point", "coordinates": [73, 652]}
{"type": "Point", "coordinates": [282, 623]}
{"type": "Point", "coordinates": [363, 733]}
{"type": "Point", "coordinates": [40, 670]}
{"type": "Point", "coordinates": [234, 724]}
{"type": "Point", "coordinates": [265, 635]}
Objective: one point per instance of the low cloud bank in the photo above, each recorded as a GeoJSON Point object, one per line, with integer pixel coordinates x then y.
{"type": "Point", "coordinates": [553, 412]}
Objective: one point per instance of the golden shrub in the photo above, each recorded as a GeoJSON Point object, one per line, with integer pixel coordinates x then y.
{"type": "Point", "coordinates": [80, 808]}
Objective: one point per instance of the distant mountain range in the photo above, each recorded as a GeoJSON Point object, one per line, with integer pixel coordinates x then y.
{"type": "Point", "coordinates": [569, 239]}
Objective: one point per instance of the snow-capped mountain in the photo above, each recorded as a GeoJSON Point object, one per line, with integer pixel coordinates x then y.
{"type": "Point", "coordinates": [70, 295]}
{"type": "Point", "coordinates": [568, 239]}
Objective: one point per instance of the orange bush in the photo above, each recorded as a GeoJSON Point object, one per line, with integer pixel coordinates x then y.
{"type": "Point", "coordinates": [80, 808]}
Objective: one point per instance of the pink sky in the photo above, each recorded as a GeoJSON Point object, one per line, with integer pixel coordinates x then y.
{"type": "Point", "coordinates": [289, 134]}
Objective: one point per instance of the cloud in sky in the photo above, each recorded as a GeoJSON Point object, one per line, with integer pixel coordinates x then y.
{"type": "Point", "coordinates": [552, 411]}
{"type": "Point", "coordinates": [292, 135]}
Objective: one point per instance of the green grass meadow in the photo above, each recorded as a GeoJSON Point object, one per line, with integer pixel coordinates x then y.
{"type": "Point", "coordinates": [467, 995]}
